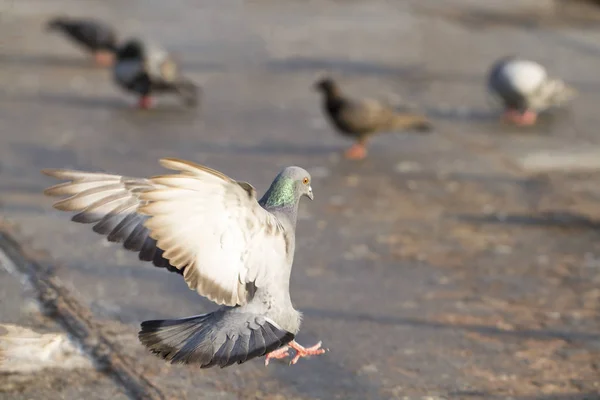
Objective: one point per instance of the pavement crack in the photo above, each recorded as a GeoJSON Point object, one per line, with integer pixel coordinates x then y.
{"type": "Point", "coordinates": [75, 318]}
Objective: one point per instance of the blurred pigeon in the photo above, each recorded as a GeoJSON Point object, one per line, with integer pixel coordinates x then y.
{"type": "Point", "coordinates": [209, 228]}
{"type": "Point", "coordinates": [359, 119]}
{"type": "Point", "coordinates": [525, 89]}
{"type": "Point", "coordinates": [94, 36]}
{"type": "Point", "coordinates": [146, 69]}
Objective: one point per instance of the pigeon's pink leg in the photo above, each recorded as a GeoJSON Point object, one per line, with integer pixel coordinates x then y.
{"type": "Point", "coordinates": [526, 118]}
{"type": "Point", "coordinates": [280, 353]}
{"type": "Point", "coordinates": [358, 151]}
{"type": "Point", "coordinates": [146, 102]}
{"type": "Point", "coordinates": [301, 351]}
{"type": "Point", "coordinates": [104, 58]}
{"type": "Point", "coordinates": [305, 351]}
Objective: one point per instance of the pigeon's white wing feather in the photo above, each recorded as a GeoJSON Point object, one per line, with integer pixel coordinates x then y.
{"type": "Point", "coordinates": [159, 64]}
{"type": "Point", "coordinates": [213, 229]}
{"type": "Point", "coordinates": [525, 76]}
{"type": "Point", "coordinates": [110, 202]}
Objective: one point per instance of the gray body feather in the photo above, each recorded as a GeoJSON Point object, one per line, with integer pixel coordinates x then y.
{"type": "Point", "coordinates": [221, 338]}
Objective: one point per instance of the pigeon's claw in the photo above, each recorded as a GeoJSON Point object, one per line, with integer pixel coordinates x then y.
{"type": "Point", "coordinates": [104, 58]}
{"type": "Point", "coordinates": [280, 353]}
{"type": "Point", "coordinates": [526, 118]}
{"type": "Point", "coordinates": [305, 351]}
{"type": "Point", "coordinates": [301, 351]}
{"type": "Point", "coordinates": [146, 102]}
{"type": "Point", "coordinates": [358, 151]}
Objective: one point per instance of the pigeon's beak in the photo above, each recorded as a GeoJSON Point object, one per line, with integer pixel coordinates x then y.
{"type": "Point", "coordinates": [310, 193]}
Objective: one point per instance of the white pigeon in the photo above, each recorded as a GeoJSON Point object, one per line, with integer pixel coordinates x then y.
{"type": "Point", "coordinates": [525, 89]}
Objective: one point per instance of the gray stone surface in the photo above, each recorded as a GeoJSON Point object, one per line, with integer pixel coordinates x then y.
{"type": "Point", "coordinates": [462, 278]}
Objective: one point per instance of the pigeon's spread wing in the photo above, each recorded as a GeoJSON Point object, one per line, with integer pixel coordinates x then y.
{"type": "Point", "coordinates": [213, 227]}
{"type": "Point", "coordinates": [110, 202]}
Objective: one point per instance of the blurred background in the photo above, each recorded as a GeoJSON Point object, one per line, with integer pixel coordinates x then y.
{"type": "Point", "coordinates": [463, 264]}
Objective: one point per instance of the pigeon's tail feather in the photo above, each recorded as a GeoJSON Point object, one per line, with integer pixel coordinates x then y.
{"type": "Point", "coordinates": [221, 338]}
{"type": "Point", "coordinates": [57, 23]}
{"type": "Point", "coordinates": [413, 122]}
{"type": "Point", "coordinates": [556, 92]}
{"type": "Point", "coordinates": [189, 92]}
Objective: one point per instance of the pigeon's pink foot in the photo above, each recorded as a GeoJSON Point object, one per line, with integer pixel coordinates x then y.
{"type": "Point", "coordinates": [358, 151]}
{"type": "Point", "coordinates": [526, 118]}
{"type": "Point", "coordinates": [305, 351]}
{"type": "Point", "coordinates": [301, 351]}
{"type": "Point", "coordinates": [104, 58]}
{"type": "Point", "coordinates": [146, 102]}
{"type": "Point", "coordinates": [278, 354]}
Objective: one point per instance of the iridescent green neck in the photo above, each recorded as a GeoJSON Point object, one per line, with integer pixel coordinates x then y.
{"type": "Point", "coordinates": [280, 194]}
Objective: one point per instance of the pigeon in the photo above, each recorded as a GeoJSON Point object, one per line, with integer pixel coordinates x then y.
{"type": "Point", "coordinates": [145, 69]}
{"type": "Point", "coordinates": [525, 89]}
{"type": "Point", "coordinates": [359, 119]}
{"type": "Point", "coordinates": [94, 36]}
{"type": "Point", "coordinates": [231, 248]}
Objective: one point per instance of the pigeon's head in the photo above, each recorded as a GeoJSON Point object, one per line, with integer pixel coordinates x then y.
{"type": "Point", "coordinates": [288, 187]}
{"type": "Point", "coordinates": [297, 179]}
{"type": "Point", "coordinates": [326, 85]}
{"type": "Point", "coordinates": [302, 181]}
{"type": "Point", "coordinates": [131, 50]}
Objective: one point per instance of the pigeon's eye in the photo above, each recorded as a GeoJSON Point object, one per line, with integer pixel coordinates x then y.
{"type": "Point", "coordinates": [305, 181]}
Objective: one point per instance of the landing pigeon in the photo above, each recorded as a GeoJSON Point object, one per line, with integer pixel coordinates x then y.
{"type": "Point", "coordinates": [146, 69]}
{"type": "Point", "coordinates": [359, 119]}
{"type": "Point", "coordinates": [210, 229]}
{"type": "Point", "coordinates": [525, 89]}
{"type": "Point", "coordinates": [94, 36]}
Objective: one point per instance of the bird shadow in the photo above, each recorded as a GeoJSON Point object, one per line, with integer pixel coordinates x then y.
{"type": "Point", "coordinates": [544, 219]}
{"type": "Point", "coordinates": [459, 114]}
{"type": "Point", "coordinates": [493, 118]}
{"type": "Point", "coordinates": [111, 103]}
{"type": "Point", "coordinates": [68, 100]}
{"type": "Point", "coordinates": [200, 66]}
{"type": "Point", "coordinates": [49, 60]}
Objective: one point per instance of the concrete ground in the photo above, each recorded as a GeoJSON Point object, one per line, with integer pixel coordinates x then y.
{"type": "Point", "coordinates": [443, 266]}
